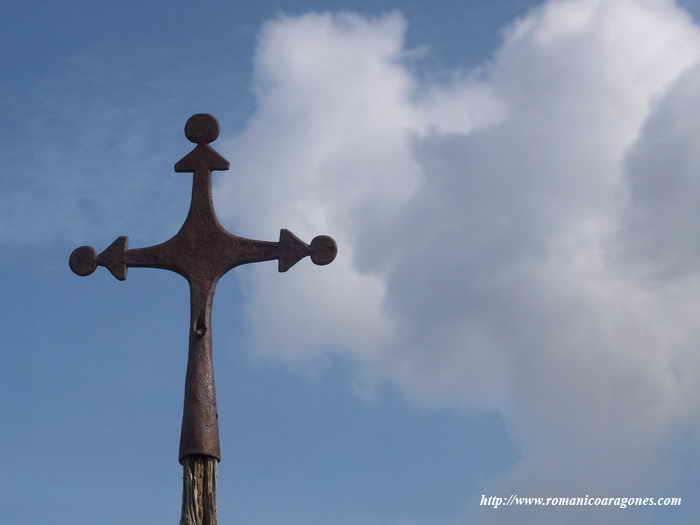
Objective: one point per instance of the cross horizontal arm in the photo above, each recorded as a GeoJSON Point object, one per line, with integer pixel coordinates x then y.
{"type": "Point", "coordinates": [117, 258]}
{"type": "Point", "coordinates": [232, 251]}
{"type": "Point", "coordinates": [158, 256]}
{"type": "Point", "coordinates": [289, 250]}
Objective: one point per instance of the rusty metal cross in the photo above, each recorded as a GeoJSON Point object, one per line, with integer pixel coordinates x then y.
{"type": "Point", "coordinates": [202, 252]}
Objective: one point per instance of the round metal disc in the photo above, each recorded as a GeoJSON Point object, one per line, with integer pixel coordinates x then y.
{"type": "Point", "coordinates": [201, 128]}
{"type": "Point", "coordinates": [323, 249]}
{"type": "Point", "coordinates": [83, 260]}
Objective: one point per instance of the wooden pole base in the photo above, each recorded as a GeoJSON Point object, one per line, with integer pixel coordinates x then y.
{"type": "Point", "coordinates": [199, 491]}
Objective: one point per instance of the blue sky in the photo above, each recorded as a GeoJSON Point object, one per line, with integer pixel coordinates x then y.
{"type": "Point", "coordinates": [513, 188]}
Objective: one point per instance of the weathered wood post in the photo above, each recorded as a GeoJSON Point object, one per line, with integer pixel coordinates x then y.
{"type": "Point", "coordinates": [202, 252]}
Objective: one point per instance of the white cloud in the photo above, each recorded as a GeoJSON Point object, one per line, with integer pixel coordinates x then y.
{"type": "Point", "coordinates": [479, 225]}
{"type": "Point", "coordinates": [661, 190]}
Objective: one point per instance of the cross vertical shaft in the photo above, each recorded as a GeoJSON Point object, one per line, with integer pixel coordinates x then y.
{"type": "Point", "coordinates": [200, 420]}
{"type": "Point", "coordinates": [202, 252]}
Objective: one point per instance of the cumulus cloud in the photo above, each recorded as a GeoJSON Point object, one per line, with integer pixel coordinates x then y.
{"type": "Point", "coordinates": [491, 227]}
{"type": "Point", "coordinates": [657, 227]}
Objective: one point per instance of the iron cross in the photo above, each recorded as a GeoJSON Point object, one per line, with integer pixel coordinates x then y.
{"type": "Point", "coordinates": [202, 252]}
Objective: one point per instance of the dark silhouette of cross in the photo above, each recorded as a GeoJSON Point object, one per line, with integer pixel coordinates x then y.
{"type": "Point", "coordinates": [202, 252]}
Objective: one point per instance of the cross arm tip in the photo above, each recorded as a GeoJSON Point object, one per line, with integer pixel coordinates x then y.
{"type": "Point", "coordinates": [322, 250]}
{"type": "Point", "coordinates": [84, 260]}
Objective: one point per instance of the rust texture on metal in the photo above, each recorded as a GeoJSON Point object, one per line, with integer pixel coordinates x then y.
{"type": "Point", "coordinates": [202, 252]}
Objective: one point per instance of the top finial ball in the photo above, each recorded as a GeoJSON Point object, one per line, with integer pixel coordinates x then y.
{"type": "Point", "coordinates": [201, 128]}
